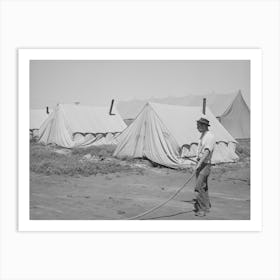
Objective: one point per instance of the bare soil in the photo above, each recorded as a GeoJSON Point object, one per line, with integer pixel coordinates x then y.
{"type": "Point", "coordinates": [127, 193]}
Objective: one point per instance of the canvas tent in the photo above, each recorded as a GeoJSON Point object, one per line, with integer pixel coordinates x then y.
{"type": "Point", "coordinates": [230, 109]}
{"type": "Point", "coordinates": [74, 125]}
{"type": "Point", "coordinates": [160, 130]}
{"type": "Point", "coordinates": [37, 117]}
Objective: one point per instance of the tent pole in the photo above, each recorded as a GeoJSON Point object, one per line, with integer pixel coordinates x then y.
{"type": "Point", "coordinates": [204, 106]}
{"type": "Point", "coordinates": [111, 108]}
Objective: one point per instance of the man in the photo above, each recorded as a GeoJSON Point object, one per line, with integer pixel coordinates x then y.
{"type": "Point", "coordinates": [205, 150]}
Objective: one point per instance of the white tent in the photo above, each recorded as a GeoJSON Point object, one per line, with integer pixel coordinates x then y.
{"type": "Point", "coordinates": [37, 117]}
{"type": "Point", "coordinates": [230, 109]}
{"type": "Point", "coordinates": [73, 125]}
{"type": "Point", "coordinates": [160, 130]}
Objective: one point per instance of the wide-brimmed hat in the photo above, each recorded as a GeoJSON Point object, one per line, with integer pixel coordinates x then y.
{"type": "Point", "coordinates": [203, 121]}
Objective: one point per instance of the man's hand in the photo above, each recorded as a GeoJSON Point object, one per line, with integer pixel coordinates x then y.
{"type": "Point", "coordinates": [194, 167]}
{"type": "Point", "coordinates": [197, 166]}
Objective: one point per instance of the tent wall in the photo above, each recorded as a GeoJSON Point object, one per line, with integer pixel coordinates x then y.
{"type": "Point", "coordinates": [37, 118]}
{"type": "Point", "coordinates": [236, 119]}
{"type": "Point", "coordinates": [72, 125]}
{"type": "Point", "coordinates": [148, 137]}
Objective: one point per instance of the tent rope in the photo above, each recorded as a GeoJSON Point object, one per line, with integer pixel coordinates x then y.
{"type": "Point", "coordinates": [163, 203]}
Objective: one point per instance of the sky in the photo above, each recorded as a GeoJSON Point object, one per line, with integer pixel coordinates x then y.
{"type": "Point", "coordinates": [98, 82]}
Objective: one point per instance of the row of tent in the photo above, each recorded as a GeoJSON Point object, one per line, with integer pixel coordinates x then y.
{"type": "Point", "coordinates": [230, 109]}
{"type": "Point", "coordinates": [73, 125]}
{"type": "Point", "coordinates": [157, 132]}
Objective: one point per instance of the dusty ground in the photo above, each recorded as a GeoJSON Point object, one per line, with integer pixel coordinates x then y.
{"type": "Point", "coordinates": [125, 194]}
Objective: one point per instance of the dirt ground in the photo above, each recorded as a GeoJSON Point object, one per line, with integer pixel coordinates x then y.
{"type": "Point", "coordinates": [125, 194]}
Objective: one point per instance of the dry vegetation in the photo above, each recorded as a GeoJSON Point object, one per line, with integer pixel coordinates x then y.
{"type": "Point", "coordinates": [51, 160]}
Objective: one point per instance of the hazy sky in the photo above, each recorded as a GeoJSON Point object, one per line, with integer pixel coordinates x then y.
{"type": "Point", "coordinates": [97, 82]}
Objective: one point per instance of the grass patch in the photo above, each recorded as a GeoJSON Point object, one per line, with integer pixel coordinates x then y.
{"type": "Point", "coordinates": [46, 160]}
{"type": "Point", "coordinates": [98, 151]}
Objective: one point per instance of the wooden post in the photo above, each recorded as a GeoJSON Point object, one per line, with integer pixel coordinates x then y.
{"type": "Point", "coordinates": [204, 106]}
{"type": "Point", "coordinates": [111, 108]}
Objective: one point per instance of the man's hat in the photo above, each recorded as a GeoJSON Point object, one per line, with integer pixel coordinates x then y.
{"type": "Point", "coordinates": [203, 121]}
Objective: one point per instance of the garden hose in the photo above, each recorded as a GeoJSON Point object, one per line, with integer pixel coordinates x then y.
{"type": "Point", "coordinates": [163, 203]}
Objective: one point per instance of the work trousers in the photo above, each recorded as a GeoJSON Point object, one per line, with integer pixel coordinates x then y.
{"type": "Point", "coordinates": [202, 201]}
